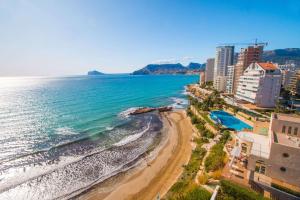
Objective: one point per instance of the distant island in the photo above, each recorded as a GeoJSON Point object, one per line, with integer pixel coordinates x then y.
{"type": "Point", "coordinates": [177, 68]}
{"type": "Point", "coordinates": [94, 72]}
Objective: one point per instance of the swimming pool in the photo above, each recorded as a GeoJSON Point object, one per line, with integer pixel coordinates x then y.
{"type": "Point", "coordinates": [228, 120]}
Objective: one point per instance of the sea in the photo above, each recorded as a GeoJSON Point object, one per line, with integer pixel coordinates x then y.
{"type": "Point", "coordinates": [59, 136]}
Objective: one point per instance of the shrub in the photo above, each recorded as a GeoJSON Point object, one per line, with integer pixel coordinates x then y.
{"type": "Point", "coordinates": [196, 193]}
{"type": "Point", "coordinates": [217, 174]}
{"type": "Point", "coordinates": [225, 137]}
{"type": "Point", "coordinates": [195, 120]}
{"type": "Point", "coordinates": [215, 160]}
{"type": "Point", "coordinates": [231, 190]}
{"type": "Point", "coordinates": [203, 179]}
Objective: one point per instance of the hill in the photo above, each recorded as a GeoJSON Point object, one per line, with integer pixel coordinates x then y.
{"type": "Point", "coordinates": [94, 72]}
{"type": "Point", "coordinates": [170, 69]}
{"type": "Point", "coordinates": [281, 56]}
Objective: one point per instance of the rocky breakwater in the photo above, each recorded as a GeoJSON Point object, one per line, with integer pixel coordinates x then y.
{"type": "Point", "coordinates": [150, 109]}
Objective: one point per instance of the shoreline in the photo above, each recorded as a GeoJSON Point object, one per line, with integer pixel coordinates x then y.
{"type": "Point", "coordinates": [155, 173]}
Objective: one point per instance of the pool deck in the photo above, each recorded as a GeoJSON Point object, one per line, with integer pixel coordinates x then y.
{"type": "Point", "coordinates": [251, 123]}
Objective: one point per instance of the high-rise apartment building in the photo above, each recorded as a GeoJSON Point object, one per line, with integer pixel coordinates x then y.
{"type": "Point", "coordinates": [209, 70]}
{"type": "Point", "coordinates": [260, 84]}
{"type": "Point", "coordinates": [247, 56]}
{"type": "Point", "coordinates": [294, 84]}
{"type": "Point", "coordinates": [224, 58]}
{"type": "Point", "coordinates": [201, 78]}
{"type": "Point", "coordinates": [230, 79]}
{"type": "Point", "coordinates": [286, 76]}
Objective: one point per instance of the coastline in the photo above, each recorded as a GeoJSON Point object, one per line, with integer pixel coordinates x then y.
{"type": "Point", "coordinates": [158, 171]}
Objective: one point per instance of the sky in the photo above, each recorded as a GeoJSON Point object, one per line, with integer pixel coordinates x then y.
{"type": "Point", "coordinates": [71, 37]}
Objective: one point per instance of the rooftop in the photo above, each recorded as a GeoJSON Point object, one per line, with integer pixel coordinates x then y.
{"type": "Point", "coordinates": [286, 140]}
{"type": "Point", "coordinates": [268, 66]}
{"type": "Point", "coordinates": [287, 117]}
{"type": "Point", "coordinates": [260, 143]}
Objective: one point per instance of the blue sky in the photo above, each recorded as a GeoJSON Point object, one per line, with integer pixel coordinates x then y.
{"type": "Point", "coordinates": [67, 37]}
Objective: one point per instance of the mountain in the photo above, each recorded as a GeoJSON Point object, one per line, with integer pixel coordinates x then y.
{"type": "Point", "coordinates": [195, 66]}
{"type": "Point", "coordinates": [94, 72]}
{"type": "Point", "coordinates": [281, 56]}
{"type": "Point", "coordinates": [170, 69]}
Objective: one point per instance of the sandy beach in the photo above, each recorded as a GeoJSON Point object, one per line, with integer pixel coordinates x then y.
{"type": "Point", "coordinates": [157, 175]}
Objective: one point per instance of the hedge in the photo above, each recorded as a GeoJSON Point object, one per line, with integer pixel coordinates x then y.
{"type": "Point", "coordinates": [287, 190]}
{"type": "Point", "coordinates": [230, 190]}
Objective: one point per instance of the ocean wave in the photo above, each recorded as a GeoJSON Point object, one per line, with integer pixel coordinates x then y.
{"type": "Point", "coordinates": [73, 175]}
{"type": "Point", "coordinates": [133, 137]}
{"type": "Point", "coordinates": [179, 102]}
{"type": "Point", "coordinates": [65, 131]}
{"type": "Point", "coordinates": [126, 113]}
{"type": "Point", "coordinates": [109, 128]}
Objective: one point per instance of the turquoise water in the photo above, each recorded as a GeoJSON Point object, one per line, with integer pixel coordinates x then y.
{"type": "Point", "coordinates": [229, 120]}
{"type": "Point", "coordinates": [67, 130]}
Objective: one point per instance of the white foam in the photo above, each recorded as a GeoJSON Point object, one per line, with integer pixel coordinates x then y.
{"type": "Point", "coordinates": [126, 113]}
{"type": "Point", "coordinates": [65, 131]}
{"type": "Point", "coordinates": [16, 176]}
{"type": "Point", "coordinates": [109, 128]}
{"type": "Point", "coordinates": [133, 137]}
{"type": "Point", "coordinates": [179, 102]}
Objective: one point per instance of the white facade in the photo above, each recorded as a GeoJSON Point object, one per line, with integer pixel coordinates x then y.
{"type": "Point", "coordinates": [224, 58]}
{"type": "Point", "coordinates": [260, 84]}
{"type": "Point", "coordinates": [230, 79]}
{"type": "Point", "coordinates": [209, 69]}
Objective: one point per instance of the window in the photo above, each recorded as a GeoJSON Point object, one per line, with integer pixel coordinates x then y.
{"type": "Point", "coordinates": [295, 131]}
{"type": "Point", "coordinates": [260, 167]}
{"type": "Point", "coordinates": [283, 129]}
{"type": "Point", "coordinates": [286, 155]}
{"type": "Point", "coordinates": [290, 130]}
{"type": "Point", "coordinates": [244, 148]}
{"type": "Point", "coordinates": [283, 169]}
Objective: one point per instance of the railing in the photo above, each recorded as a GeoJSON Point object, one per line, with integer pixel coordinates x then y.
{"type": "Point", "coordinates": [275, 194]}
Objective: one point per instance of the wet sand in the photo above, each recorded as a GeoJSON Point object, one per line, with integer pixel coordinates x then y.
{"type": "Point", "coordinates": [155, 176]}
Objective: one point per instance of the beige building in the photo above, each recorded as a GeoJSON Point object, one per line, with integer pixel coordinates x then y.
{"type": "Point", "coordinates": [201, 78]}
{"type": "Point", "coordinates": [272, 162]}
{"type": "Point", "coordinates": [209, 70]}
{"type": "Point", "coordinates": [220, 83]}
{"type": "Point", "coordinates": [286, 76]}
{"type": "Point", "coordinates": [294, 84]}
{"type": "Point", "coordinates": [230, 79]}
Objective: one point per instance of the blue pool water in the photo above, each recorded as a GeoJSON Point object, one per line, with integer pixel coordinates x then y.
{"type": "Point", "coordinates": [228, 120]}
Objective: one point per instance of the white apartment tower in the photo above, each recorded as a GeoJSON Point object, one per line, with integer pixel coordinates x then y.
{"type": "Point", "coordinates": [224, 58]}
{"type": "Point", "coordinates": [260, 84]}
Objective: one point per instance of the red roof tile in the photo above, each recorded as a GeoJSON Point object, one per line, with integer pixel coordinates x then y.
{"type": "Point", "coordinates": [268, 66]}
